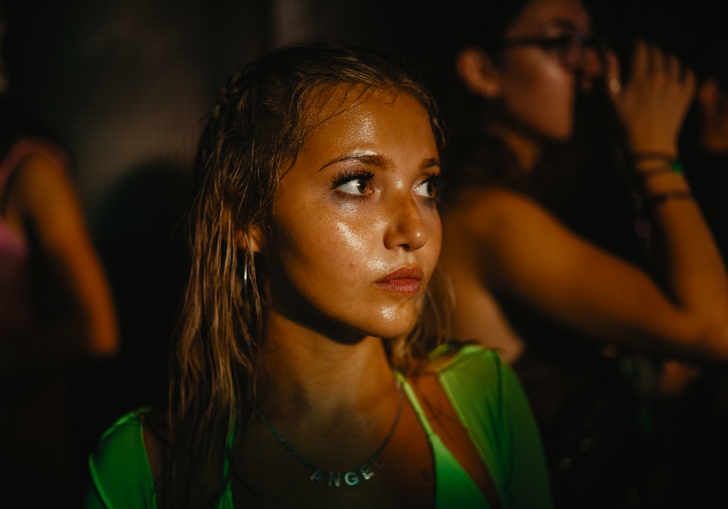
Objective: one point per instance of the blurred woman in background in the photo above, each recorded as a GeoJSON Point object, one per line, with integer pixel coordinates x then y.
{"type": "Point", "coordinates": [55, 308]}
{"type": "Point", "coordinates": [528, 284]}
{"type": "Point", "coordinates": [695, 434]}
{"type": "Point", "coordinates": [706, 140]}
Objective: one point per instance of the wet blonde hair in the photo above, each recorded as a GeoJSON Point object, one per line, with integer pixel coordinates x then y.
{"type": "Point", "coordinates": [253, 135]}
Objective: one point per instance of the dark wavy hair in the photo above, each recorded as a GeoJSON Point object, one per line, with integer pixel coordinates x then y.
{"type": "Point", "coordinates": [262, 118]}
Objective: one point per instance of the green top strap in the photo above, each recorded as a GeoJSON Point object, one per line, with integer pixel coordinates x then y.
{"type": "Point", "coordinates": [415, 403]}
{"type": "Point", "coordinates": [484, 393]}
{"type": "Point", "coordinates": [490, 403]}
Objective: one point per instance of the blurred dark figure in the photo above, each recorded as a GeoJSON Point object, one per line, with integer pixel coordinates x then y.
{"type": "Point", "coordinates": [542, 240]}
{"type": "Point", "coordinates": [705, 141]}
{"type": "Point", "coordinates": [138, 239]}
{"type": "Point", "coordinates": [55, 309]}
{"type": "Point", "coordinates": [691, 440]}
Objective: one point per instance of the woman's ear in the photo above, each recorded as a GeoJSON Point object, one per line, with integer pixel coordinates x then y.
{"type": "Point", "coordinates": [253, 240]}
{"type": "Point", "coordinates": [478, 72]}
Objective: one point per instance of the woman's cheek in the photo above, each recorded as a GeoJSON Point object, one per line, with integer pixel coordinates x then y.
{"type": "Point", "coordinates": [356, 231]}
{"type": "Point", "coordinates": [540, 94]}
{"type": "Point", "coordinates": [350, 238]}
{"type": "Point", "coordinates": [434, 231]}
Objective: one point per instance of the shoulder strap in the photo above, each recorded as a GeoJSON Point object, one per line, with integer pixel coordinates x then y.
{"type": "Point", "coordinates": [120, 474]}
{"type": "Point", "coordinates": [415, 403]}
{"type": "Point", "coordinates": [228, 452]}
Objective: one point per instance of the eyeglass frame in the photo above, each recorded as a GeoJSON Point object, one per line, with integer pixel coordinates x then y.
{"type": "Point", "coordinates": [584, 42]}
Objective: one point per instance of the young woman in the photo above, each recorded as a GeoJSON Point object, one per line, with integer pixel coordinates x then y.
{"type": "Point", "coordinates": [533, 79]}
{"type": "Point", "coordinates": [306, 371]}
{"type": "Point", "coordinates": [55, 307]}
{"type": "Point", "coordinates": [524, 281]}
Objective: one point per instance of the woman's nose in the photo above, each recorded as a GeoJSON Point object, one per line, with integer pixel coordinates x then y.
{"type": "Point", "coordinates": [406, 229]}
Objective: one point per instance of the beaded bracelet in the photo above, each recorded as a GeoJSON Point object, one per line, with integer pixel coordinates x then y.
{"type": "Point", "coordinates": [658, 199]}
{"type": "Point", "coordinates": [672, 166]}
{"type": "Point", "coordinates": [661, 156]}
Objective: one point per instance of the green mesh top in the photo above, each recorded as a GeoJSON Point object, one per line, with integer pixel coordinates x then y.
{"type": "Point", "coordinates": [485, 394]}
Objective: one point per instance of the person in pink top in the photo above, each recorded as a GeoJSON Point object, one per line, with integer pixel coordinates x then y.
{"type": "Point", "coordinates": [40, 211]}
{"type": "Point", "coordinates": [55, 308]}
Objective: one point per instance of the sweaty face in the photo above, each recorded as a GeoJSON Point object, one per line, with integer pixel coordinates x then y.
{"type": "Point", "coordinates": [538, 90]}
{"type": "Point", "coordinates": [713, 104]}
{"type": "Point", "coordinates": [355, 233]}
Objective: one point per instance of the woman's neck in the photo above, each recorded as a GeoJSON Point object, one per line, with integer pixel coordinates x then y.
{"type": "Point", "coordinates": [527, 151]}
{"type": "Point", "coordinates": [526, 146]}
{"type": "Point", "coordinates": [308, 373]}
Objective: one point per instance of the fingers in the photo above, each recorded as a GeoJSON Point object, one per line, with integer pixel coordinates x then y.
{"type": "Point", "coordinates": [650, 62]}
{"type": "Point", "coordinates": [689, 82]}
{"type": "Point", "coordinates": [612, 75]}
{"type": "Point", "coordinates": [673, 67]}
{"type": "Point", "coordinates": [653, 103]}
{"type": "Point", "coordinates": [657, 60]}
{"type": "Point", "coordinates": [640, 60]}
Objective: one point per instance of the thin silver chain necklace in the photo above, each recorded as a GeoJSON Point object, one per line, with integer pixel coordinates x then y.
{"type": "Point", "coordinates": [350, 478]}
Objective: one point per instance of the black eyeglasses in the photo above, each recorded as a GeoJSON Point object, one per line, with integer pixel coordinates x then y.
{"type": "Point", "coordinates": [571, 49]}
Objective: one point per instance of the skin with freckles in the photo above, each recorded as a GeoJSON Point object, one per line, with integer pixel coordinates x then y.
{"type": "Point", "coordinates": [316, 236]}
{"type": "Point", "coordinates": [357, 205]}
{"type": "Point", "coordinates": [353, 240]}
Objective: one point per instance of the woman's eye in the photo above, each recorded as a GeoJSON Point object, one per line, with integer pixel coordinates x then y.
{"type": "Point", "coordinates": [428, 189]}
{"type": "Point", "coordinates": [358, 187]}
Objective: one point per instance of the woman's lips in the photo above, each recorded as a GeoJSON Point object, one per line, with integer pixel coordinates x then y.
{"type": "Point", "coordinates": [404, 280]}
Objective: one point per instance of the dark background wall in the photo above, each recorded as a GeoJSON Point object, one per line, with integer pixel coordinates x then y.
{"type": "Point", "coordinates": [124, 85]}
{"type": "Point", "coordinates": [125, 82]}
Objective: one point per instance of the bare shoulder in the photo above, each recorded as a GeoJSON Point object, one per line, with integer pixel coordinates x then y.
{"type": "Point", "coordinates": [156, 444]}
{"type": "Point", "coordinates": [483, 210]}
{"type": "Point", "coordinates": [45, 194]}
{"type": "Point", "coordinates": [498, 229]}
{"type": "Point", "coordinates": [43, 182]}
{"type": "Point", "coordinates": [158, 448]}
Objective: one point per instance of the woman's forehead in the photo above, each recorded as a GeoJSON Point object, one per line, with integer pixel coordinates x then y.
{"type": "Point", "coordinates": [545, 15]}
{"type": "Point", "coordinates": [330, 101]}
{"type": "Point", "coordinates": [348, 112]}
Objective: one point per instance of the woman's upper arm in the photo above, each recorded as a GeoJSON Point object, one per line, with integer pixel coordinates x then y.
{"type": "Point", "coordinates": [156, 452]}
{"type": "Point", "coordinates": [49, 200]}
{"type": "Point", "coordinates": [528, 253]}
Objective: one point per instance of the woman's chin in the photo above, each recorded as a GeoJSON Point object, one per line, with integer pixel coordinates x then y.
{"type": "Point", "coordinates": [387, 322]}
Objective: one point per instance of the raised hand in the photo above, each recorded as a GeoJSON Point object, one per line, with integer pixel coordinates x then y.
{"type": "Point", "coordinates": [654, 102]}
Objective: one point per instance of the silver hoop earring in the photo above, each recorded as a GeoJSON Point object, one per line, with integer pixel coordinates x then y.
{"type": "Point", "coordinates": [245, 278]}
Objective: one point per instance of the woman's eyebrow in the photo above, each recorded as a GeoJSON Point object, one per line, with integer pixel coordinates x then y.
{"type": "Point", "coordinates": [564, 23]}
{"type": "Point", "coordinates": [429, 163]}
{"type": "Point", "coordinates": [369, 159]}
